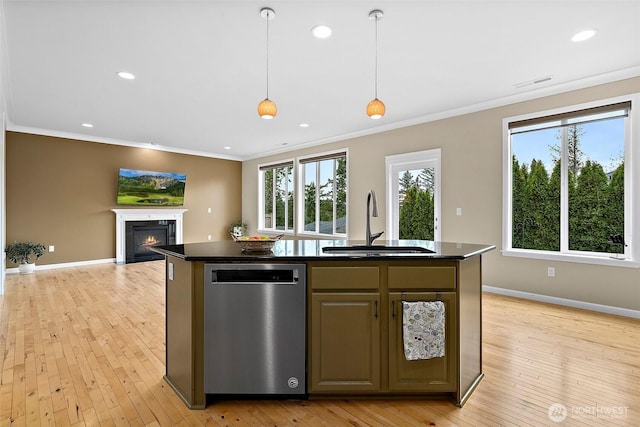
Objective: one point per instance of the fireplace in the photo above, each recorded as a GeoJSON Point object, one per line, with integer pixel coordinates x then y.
{"type": "Point", "coordinates": [141, 236]}
{"type": "Point", "coordinates": [137, 230]}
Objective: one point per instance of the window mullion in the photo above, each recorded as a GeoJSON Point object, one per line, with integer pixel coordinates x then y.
{"type": "Point", "coordinates": [564, 190]}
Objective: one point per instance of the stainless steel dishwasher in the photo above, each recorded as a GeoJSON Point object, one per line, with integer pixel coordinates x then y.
{"type": "Point", "coordinates": [255, 329]}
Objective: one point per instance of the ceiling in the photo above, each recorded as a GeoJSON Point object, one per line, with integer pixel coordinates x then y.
{"type": "Point", "coordinates": [200, 66]}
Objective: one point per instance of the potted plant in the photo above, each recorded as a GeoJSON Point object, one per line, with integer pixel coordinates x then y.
{"type": "Point", "coordinates": [237, 228]}
{"type": "Point", "coordinates": [22, 254]}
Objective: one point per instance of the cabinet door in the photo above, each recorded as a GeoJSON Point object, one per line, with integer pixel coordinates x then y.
{"type": "Point", "coordinates": [345, 342]}
{"type": "Point", "coordinates": [436, 374]}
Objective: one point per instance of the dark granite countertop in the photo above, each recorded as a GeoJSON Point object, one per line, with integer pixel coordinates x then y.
{"type": "Point", "coordinates": [311, 250]}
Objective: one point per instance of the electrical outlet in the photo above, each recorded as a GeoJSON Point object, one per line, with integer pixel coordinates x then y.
{"type": "Point", "coordinates": [459, 211]}
{"type": "Point", "coordinates": [209, 237]}
{"type": "Point", "coordinates": [208, 210]}
{"type": "Point", "coordinates": [52, 248]}
{"type": "Point", "coordinates": [551, 272]}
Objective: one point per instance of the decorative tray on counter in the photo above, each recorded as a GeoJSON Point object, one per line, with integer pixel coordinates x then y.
{"type": "Point", "coordinates": [256, 244]}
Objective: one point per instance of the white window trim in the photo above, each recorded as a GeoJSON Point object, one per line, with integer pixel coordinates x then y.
{"type": "Point", "coordinates": [415, 160]}
{"type": "Point", "coordinates": [261, 228]}
{"type": "Point", "coordinates": [299, 211]}
{"type": "Point", "coordinates": [632, 192]}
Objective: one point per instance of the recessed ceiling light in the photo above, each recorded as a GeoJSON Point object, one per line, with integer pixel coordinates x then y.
{"type": "Point", "coordinates": [227, 147]}
{"type": "Point", "coordinates": [583, 35]}
{"type": "Point", "coordinates": [321, 31]}
{"type": "Point", "coordinates": [125, 75]}
{"type": "Point", "coordinates": [87, 125]}
{"type": "Point", "coordinates": [304, 125]}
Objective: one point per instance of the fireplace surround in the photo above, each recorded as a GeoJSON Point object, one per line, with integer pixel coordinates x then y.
{"type": "Point", "coordinates": [156, 221]}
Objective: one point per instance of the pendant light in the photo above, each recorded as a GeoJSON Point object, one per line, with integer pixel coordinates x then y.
{"type": "Point", "coordinates": [267, 108]}
{"type": "Point", "coordinates": [375, 108]}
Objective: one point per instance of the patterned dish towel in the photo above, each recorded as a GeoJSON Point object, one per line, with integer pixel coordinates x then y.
{"type": "Point", "coordinates": [423, 329]}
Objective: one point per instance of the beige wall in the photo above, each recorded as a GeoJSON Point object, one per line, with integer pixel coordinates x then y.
{"type": "Point", "coordinates": [472, 180]}
{"type": "Point", "coordinates": [61, 191]}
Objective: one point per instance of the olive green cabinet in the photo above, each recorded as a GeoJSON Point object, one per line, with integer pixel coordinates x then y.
{"type": "Point", "coordinates": [355, 328]}
{"type": "Point", "coordinates": [345, 341]}
{"type": "Point", "coordinates": [344, 328]}
{"type": "Point", "coordinates": [437, 374]}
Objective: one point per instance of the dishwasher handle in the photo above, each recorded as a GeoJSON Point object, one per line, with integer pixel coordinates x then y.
{"type": "Point", "coordinates": [255, 276]}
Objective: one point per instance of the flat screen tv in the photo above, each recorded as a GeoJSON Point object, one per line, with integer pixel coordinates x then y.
{"type": "Point", "coordinates": [147, 188]}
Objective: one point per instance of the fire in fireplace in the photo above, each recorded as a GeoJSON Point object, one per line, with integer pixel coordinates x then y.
{"type": "Point", "coordinates": [141, 236]}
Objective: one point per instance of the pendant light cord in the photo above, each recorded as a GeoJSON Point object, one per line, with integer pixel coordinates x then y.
{"type": "Point", "coordinates": [268, 18]}
{"type": "Point", "coordinates": [376, 73]}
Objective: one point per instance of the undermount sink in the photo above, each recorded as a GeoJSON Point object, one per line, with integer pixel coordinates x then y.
{"type": "Point", "coordinates": [377, 249]}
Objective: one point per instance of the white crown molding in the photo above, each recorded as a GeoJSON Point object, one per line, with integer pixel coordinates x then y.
{"type": "Point", "coordinates": [521, 96]}
{"type": "Point", "coordinates": [113, 141]}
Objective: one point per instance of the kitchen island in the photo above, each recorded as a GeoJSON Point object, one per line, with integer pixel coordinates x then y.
{"type": "Point", "coordinates": [354, 315]}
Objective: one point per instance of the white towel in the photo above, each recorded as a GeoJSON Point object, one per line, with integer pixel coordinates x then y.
{"type": "Point", "coordinates": [423, 329]}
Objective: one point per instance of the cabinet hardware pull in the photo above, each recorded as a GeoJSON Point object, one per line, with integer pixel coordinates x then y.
{"type": "Point", "coordinates": [376, 314]}
{"type": "Point", "coordinates": [393, 309]}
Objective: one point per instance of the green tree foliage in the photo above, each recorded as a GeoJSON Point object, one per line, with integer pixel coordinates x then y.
{"type": "Point", "coordinates": [416, 214]}
{"type": "Point", "coordinates": [405, 182]}
{"type": "Point", "coordinates": [323, 198]}
{"type": "Point", "coordinates": [278, 188]}
{"type": "Point", "coordinates": [596, 206]}
{"type": "Point", "coordinates": [310, 206]}
{"type": "Point", "coordinates": [588, 230]}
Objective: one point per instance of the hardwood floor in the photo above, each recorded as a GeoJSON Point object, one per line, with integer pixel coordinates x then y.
{"type": "Point", "coordinates": [85, 346]}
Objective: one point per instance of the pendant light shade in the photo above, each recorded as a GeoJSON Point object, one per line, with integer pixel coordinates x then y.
{"type": "Point", "coordinates": [267, 108]}
{"type": "Point", "coordinates": [375, 108]}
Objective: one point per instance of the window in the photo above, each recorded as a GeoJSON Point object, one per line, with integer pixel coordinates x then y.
{"type": "Point", "coordinates": [413, 186]}
{"type": "Point", "coordinates": [567, 183]}
{"type": "Point", "coordinates": [323, 198]}
{"type": "Point", "coordinates": [277, 197]}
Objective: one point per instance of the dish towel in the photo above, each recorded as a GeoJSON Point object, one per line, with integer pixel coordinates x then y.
{"type": "Point", "coordinates": [423, 329]}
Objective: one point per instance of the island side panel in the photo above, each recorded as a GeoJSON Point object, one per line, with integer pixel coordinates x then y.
{"type": "Point", "coordinates": [469, 326]}
{"type": "Point", "coordinates": [182, 357]}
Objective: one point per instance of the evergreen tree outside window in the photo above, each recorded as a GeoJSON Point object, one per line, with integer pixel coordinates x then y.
{"type": "Point", "coordinates": [566, 185]}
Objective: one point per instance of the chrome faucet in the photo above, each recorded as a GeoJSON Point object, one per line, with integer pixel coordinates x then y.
{"type": "Point", "coordinates": [371, 237]}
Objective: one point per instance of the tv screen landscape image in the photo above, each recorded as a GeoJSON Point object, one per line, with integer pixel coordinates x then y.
{"type": "Point", "coordinates": [138, 187]}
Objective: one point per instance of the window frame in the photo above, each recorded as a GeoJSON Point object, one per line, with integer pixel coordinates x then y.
{"type": "Point", "coordinates": [300, 165]}
{"type": "Point", "coordinates": [632, 193]}
{"type": "Point", "coordinates": [262, 168]}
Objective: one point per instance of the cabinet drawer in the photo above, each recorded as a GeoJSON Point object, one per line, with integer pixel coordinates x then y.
{"type": "Point", "coordinates": [364, 277]}
{"type": "Point", "coordinates": [405, 277]}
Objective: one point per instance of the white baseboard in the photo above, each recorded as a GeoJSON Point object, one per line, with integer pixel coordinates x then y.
{"type": "Point", "coordinates": [64, 265]}
{"type": "Point", "coordinates": [618, 311]}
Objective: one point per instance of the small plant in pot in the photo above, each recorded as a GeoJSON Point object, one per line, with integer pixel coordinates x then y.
{"type": "Point", "coordinates": [237, 228]}
{"type": "Point", "coordinates": [25, 255]}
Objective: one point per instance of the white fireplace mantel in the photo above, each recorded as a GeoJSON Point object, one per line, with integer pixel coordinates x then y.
{"type": "Point", "coordinates": [124, 215]}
